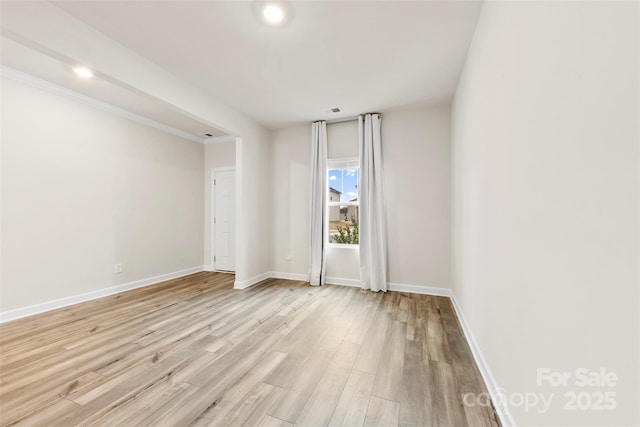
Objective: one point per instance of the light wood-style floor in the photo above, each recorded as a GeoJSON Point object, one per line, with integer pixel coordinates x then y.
{"type": "Point", "coordinates": [194, 351]}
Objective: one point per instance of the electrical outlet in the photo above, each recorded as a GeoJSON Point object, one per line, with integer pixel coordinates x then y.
{"type": "Point", "coordinates": [289, 258]}
{"type": "Point", "coordinates": [117, 268]}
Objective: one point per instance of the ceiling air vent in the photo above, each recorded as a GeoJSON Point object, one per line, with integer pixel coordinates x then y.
{"type": "Point", "coordinates": [335, 110]}
{"type": "Point", "coordinates": [207, 135]}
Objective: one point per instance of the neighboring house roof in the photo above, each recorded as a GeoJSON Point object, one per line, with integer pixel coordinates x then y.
{"type": "Point", "coordinates": [354, 200]}
{"type": "Point", "coordinates": [333, 190]}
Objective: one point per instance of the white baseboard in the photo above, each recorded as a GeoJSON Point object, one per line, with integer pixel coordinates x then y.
{"type": "Point", "coordinates": [19, 313]}
{"type": "Point", "coordinates": [397, 287]}
{"type": "Point", "coordinates": [420, 289]}
{"type": "Point", "coordinates": [506, 420]}
{"type": "Point", "coordinates": [207, 267]}
{"type": "Point", "coordinates": [355, 283]}
{"type": "Point", "coordinates": [289, 276]}
{"type": "Point", "coordinates": [244, 284]}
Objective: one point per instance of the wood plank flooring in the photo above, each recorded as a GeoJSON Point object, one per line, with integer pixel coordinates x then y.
{"type": "Point", "coordinates": [194, 351]}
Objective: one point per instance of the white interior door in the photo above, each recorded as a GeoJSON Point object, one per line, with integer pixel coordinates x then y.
{"type": "Point", "coordinates": [224, 224]}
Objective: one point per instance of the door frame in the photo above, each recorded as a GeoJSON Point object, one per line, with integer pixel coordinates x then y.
{"type": "Point", "coordinates": [213, 212]}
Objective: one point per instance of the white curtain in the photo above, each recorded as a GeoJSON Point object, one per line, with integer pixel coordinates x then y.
{"type": "Point", "coordinates": [318, 208]}
{"type": "Point", "coordinates": [373, 222]}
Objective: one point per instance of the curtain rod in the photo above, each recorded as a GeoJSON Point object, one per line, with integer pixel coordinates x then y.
{"type": "Point", "coordinates": [342, 120]}
{"type": "Point", "coordinates": [347, 119]}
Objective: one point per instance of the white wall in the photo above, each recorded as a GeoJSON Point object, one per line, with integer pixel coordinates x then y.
{"type": "Point", "coordinates": [217, 155]}
{"type": "Point", "coordinates": [39, 25]}
{"type": "Point", "coordinates": [417, 158]}
{"type": "Point", "coordinates": [546, 201]}
{"type": "Point", "coordinates": [220, 155]}
{"type": "Point", "coordinates": [417, 161]}
{"type": "Point", "coordinates": [253, 206]}
{"type": "Point", "coordinates": [83, 190]}
{"type": "Point", "coordinates": [289, 162]}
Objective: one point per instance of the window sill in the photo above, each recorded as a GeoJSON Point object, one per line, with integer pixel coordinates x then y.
{"type": "Point", "coordinates": [342, 245]}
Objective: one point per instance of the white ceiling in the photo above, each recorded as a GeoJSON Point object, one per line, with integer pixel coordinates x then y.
{"type": "Point", "coordinates": [359, 56]}
{"type": "Point", "coordinates": [22, 58]}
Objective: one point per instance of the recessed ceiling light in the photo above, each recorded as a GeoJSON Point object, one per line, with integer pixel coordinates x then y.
{"type": "Point", "coordinates": [83, 72]}
{"type": "Point", "coordinates": [273, 14]}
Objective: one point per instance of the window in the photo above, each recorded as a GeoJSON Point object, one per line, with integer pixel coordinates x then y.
{"type": "Point", "coordinates": [343, 201]}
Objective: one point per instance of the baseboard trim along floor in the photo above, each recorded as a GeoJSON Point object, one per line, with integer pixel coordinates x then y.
{"type": "Point", "coordinates": [88, 296]}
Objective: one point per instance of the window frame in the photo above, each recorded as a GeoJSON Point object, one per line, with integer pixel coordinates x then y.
{"type": "Point", "coordinates": [340, 163]}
